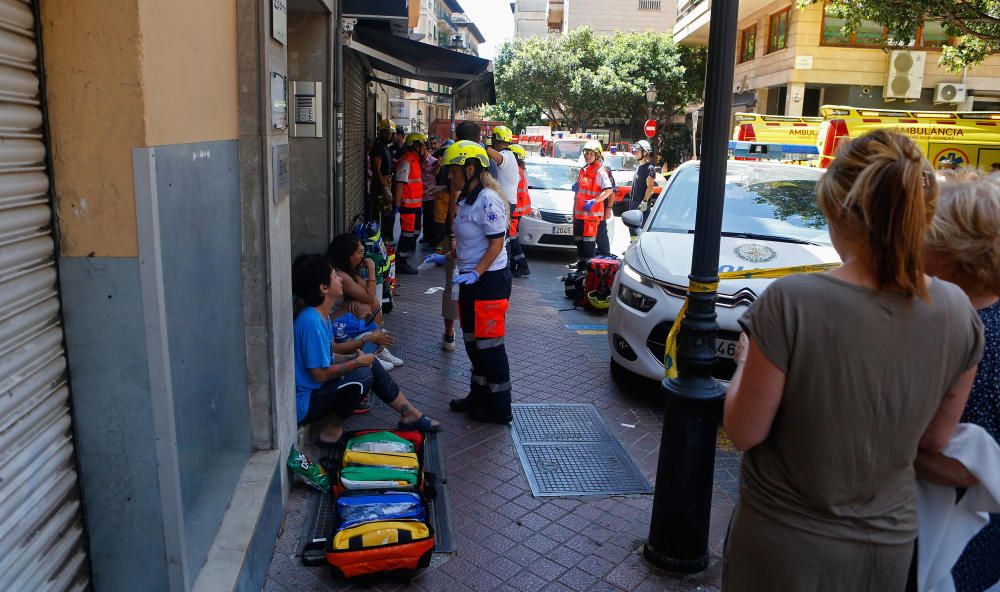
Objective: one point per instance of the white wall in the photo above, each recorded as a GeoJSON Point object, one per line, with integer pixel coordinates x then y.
{"type": "Point", "coordinates": [608, 16]}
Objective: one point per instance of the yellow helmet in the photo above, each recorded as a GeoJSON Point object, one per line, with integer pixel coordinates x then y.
{"type": "Point", "coordinates": [502, 133]}
{"type": "Point", "coordinates": [387, 124]}
{"type": "Point", "coordinates": [598, 300]}
{"type": "Point", "coordinates": [415, 137]}
{"type": "Point", "coordinates": [460, 152]}
{"type": "Point", "coordinates": [594, 146]}
{"type": "Point", "coordinates": [518, 151]}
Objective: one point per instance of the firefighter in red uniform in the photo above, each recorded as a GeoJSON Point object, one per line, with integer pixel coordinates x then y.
{"type": "Point", "coordinates": [408, 196]}
{"type": "Point", "coordinates": [593, 188]}
{"type": "Point", "coordinates": [518, 262]}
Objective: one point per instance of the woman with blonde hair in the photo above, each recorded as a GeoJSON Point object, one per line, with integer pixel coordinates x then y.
{"type": "Point", "coordinates": [841, 378]}
{"type": "Point", "coordinates": [963, 247]}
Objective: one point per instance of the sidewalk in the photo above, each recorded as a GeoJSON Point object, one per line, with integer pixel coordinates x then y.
{"type": "Point", "coordinates": [507, 539]}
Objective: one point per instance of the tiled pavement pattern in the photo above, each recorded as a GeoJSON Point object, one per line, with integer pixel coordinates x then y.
{"type": "Point", "coordinates": [507, 539]}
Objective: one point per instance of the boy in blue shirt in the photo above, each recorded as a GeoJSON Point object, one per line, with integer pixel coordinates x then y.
{"type": "Point", "coordinates": [324, 388]}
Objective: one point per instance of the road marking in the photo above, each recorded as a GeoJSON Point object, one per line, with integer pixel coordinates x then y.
{"type": "Point", "coordinates": [589, 329]}
{"type": "Point", "coordinates": [723, 443]}
{"type": "Point", "coordinates": [592, 332]}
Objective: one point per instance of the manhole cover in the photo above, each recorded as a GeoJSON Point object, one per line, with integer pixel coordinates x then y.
{"type": "Point", "coordinates": [559, 423]}
{"type": "Point", "coordinates": [568, 450]}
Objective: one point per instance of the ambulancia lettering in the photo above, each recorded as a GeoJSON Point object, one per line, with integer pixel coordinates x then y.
{"type": "Point", "coordinates": [947, 132]}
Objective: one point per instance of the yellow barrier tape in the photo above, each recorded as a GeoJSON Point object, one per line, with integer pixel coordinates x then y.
{"type": "Point", "coordinates": [670, 351]}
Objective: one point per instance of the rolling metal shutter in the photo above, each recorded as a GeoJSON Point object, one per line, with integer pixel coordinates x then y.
{"type": "Point", "coordinates": [41, 528]}
{"type": "Point", "coordinates": [355, 92]}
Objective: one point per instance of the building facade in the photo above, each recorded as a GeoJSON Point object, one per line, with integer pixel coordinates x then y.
{"type": "Point", "coordinates": [541, 17]}
{"type": "Point", "coordinates": [790, 61]}
{"type": "Point", "coordinates": [159, 173]}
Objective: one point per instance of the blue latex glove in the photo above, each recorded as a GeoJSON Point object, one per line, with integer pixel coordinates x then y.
{"type": "Point", "coordinates": [576, 187]}
{"type": "Point", "coordinates": [435, 258]}
{"type": "Point", "coordinates": [589, 204]}
{"type": "Point", "coordinates": [467, 278]}
{"type": "Point", "coordinates": [395, 211]}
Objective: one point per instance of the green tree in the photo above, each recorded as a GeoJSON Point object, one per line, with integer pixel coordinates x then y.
{"type": "Point", "coordinates": [517, 117]}
{"type": "Point", "coordinates": [974, 25]}
{"type": "Point", "coordinates": [577, 78]}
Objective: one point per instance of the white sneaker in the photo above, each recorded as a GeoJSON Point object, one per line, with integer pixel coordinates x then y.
{"type": "Point", "coordinates": [388, 357]}
{"type": "Point", "coordinates": [386, 365]}
{"type": "Point", "coordinates": [448, 344]}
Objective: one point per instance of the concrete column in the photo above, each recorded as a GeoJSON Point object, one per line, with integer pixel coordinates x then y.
{"type": "Point", "coordinates": [795, 90]}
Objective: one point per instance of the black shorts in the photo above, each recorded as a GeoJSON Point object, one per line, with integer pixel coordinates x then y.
{"type": "Point", "coordinates": [339, 396]}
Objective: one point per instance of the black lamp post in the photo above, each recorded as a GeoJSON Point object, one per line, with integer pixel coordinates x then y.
{"type": "Point", "coordinates": [650, 101]}
{"type": "Point", "coordinates": [678, 532]}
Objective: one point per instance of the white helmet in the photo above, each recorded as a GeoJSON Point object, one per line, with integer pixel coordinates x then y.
{"type": "Point", "coordinates": [643, 145]}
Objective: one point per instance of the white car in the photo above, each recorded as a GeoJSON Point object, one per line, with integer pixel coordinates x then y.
{"type": "Point", "coordinates": [771, 219]}
{"type": "Point", "coordinates": [550, 223]}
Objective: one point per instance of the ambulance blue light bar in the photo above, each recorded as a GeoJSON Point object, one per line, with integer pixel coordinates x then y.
{"type": "Point", "coordinates": [773, 151]}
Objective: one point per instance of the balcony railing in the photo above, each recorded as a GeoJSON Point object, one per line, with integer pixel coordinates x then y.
{"type": "Point", "coordinates": [686, 6]}
{"type": "Point", "coordinates": [650, 5]}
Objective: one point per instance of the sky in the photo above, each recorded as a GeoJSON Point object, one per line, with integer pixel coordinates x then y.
{"type": "Point", "coordinates": [495, 21]}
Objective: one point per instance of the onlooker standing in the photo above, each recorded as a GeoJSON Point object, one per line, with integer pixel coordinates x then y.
{"type": "Point", "coordinates": [382, 162]}
{"type": "Point", "coordinates": [396, 147]}
{"type": "Point", "coordinates": [465, 131]}
{"type": "Point", "coordinates": [429, 169]}
{"type": "Point", "coordinates": [834, 393]}
{"type": "Point", "coordinates": [963, 247]}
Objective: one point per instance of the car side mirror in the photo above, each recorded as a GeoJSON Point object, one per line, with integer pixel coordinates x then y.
{"type": "Point", "coordinates": [632, 219]}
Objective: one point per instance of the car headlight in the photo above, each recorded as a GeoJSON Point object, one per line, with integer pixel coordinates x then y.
{"type": "Point", "coordinates": [635, 275]}
{"type": "Point", "coordinates": [534, 213]}
{"type": "Point", "coordinates": [636, 300]}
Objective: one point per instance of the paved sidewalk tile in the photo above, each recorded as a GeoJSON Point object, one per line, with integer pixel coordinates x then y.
{"type": "Point", "coordinates": [508, 539]}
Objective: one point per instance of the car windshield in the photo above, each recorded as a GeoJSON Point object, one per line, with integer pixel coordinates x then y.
{"type": "Point", "coordinates": [567, 149]}
{"type": "Point", "coordinates": [544, 175]}
{"type": "Point", "coordinates": [766, 201]}
{"type": "Point", "coordinates": [621, 162]}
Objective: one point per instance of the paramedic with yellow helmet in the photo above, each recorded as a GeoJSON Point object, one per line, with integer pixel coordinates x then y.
{"type": "Point", "coordinates": [484, 281]}
{"type": "Point", "coordinates": [593, 188]}
{"type": "Point", "coordinates": [408, 198]}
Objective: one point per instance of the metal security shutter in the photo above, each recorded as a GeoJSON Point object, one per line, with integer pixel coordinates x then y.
{"type": "Point", "coordinates": [41, 529]}
{"type": "Point", "coordinates": [354, 135]}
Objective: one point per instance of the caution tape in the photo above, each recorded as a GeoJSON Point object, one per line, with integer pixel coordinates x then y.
{"type": "Point", "coordinates": [670, 351]}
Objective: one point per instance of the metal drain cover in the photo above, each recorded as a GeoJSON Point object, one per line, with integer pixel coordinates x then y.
{"type": "Point", "coordinates": [568, 450]}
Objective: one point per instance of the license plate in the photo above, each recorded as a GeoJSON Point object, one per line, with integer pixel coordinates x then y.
{"type": "Point", "coordinates": [725, 348]}
{"type": "Point", "coordinates": [563, 229]}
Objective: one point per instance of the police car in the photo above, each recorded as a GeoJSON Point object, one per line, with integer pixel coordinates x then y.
{"type": "Point", "coordinates": [771, 219]}
{"type": "Point", "coordinates": [550, 222]}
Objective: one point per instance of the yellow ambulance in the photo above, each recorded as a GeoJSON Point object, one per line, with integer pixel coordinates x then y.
{"type": "Point", "coordinates": [776, 129]}
{"type": "Point", "coordinates": [949, 139]}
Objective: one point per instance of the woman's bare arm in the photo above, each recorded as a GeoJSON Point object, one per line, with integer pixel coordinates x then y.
{"type": "Point", "coordinates": [753, 397]}
{"type": "Point", "coordinates": [942, 426]}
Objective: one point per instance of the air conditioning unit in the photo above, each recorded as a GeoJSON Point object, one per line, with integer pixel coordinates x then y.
{"type": "Point", "coordinates": [905, 75]}
{"type": "Point", "coordinates": [949, 92]}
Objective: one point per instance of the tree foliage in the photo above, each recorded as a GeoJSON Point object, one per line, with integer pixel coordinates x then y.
{"type": "Point", "coordinates": [974, 25]}
{"type": "Point", "coordinates": [581, 77]}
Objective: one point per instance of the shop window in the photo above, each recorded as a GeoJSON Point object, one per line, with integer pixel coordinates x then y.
{"type": "Point", "coordinates": [778, 31]}
{"type": "Point", "coordinates": [748, 44]}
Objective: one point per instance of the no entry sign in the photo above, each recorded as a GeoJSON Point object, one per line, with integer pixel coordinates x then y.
{"type": "Point", "coordinates": [650, 128]}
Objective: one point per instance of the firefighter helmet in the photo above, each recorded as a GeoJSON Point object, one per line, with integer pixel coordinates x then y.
{"type": "Point", "coordinates": [643, 145]}
{"type": "Point", "coordinates": [518, 151]}
{"type": "Point", "coordinates": [502, 133]}
{"type": "Point", "coordinates": [461, 152]}
{"type": "Point", "coordinates": [387, 124]}
{"type": "Point", "coordinates": [415, 137]}
{"type": "Point", "coordinates": [593, 146]}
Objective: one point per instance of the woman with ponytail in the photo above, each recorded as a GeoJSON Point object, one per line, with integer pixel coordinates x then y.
{"type": "Point", "coordinates": [842, 377]}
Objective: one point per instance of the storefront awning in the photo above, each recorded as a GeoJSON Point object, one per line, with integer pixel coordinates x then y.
{"type": "Point", "coordinates": [470, 78]}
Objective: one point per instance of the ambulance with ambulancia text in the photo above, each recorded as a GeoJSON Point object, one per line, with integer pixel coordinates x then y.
{"type": "Point", "coordinates": [776, 129]}
{"type": "Point", "coordinates": [949, 139]}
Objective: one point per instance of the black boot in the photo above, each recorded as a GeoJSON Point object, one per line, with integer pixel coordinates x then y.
{"type": "Point", "coordinates": [405, 268]}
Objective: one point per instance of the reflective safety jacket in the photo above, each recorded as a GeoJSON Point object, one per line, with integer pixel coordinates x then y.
{"type": "Point", "coordinates": [523, 207]}
{"type": "Point", "coordinates": [587, 189]}
{"type": "Point", "coordinates": [413, 191]}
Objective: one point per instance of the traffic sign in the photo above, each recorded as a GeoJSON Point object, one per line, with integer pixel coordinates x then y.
{"type": "Point", "coordinates": [650, 128]}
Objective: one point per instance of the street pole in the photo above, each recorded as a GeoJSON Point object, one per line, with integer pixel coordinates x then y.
{"type": "Point", "coordinates": [678, 532]}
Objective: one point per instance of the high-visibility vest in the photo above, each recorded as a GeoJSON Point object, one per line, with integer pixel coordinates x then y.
{"type": "Point", "coordinates": [588, 189]}
{"type": "Point", "coordinates": [523, 207]}
{"type": "Point", "coordinates": [413, 191]}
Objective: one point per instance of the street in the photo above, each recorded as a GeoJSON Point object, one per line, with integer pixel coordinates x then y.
{"type": "Point", "coordinates": [507, 539]}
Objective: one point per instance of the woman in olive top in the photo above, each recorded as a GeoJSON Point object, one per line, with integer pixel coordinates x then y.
{"type": "Point", "coordinates": [843, 376]}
